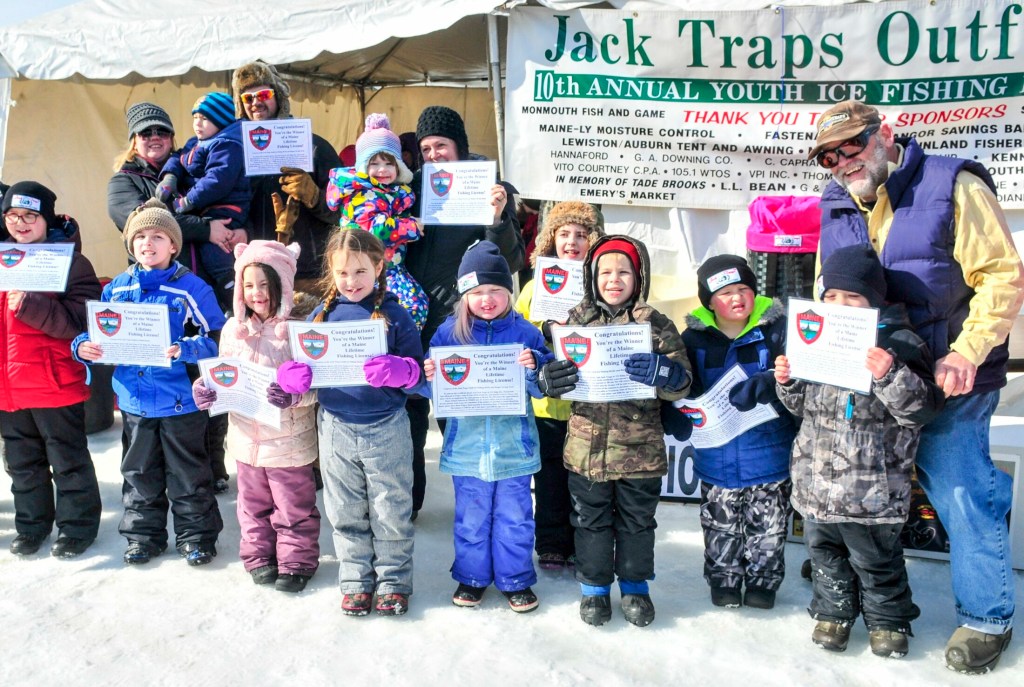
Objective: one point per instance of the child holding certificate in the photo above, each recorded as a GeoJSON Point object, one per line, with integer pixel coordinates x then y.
{"type": "Point", "coordinates": [570, 228]}
{"type": "Point", "coordinates": [491, 458]}
{"type": "Point", "coordinates": [852, 463]}
{"type": "Point", "coordinates": [366, 448]}
{"type": "Point", "coordinates": [745, 483]}
{"type": "Point", "coordinates": [42, 389]}
{"type": "Point", "coordinates": [374, 196]}
{"type": "Point", "coordinates": [277, 509]}
{"type": "Point", "coordinates": [164, 459]}
{"type": "Point", "coordinates": [615, 451]}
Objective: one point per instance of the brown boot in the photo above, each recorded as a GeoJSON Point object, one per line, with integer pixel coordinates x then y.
{"type": "Point", "coordinates": [973, 652]}
{"type": "Point", "coordinates": [888, 643]}
{"type": "Point", "coordinates": [831, 636]}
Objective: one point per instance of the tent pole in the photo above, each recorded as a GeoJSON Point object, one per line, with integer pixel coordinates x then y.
{"type": "Point", "coordinates": [499, 112]}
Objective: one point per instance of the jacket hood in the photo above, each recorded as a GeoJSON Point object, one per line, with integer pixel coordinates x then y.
{"type": "Point", "coordinates": [766, 311]}
{"type": "Point", "coordinates": [643, 279]}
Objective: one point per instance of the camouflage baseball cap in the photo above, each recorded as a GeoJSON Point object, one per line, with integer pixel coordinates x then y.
{"type": "Point", "coordinates": [842, 122]}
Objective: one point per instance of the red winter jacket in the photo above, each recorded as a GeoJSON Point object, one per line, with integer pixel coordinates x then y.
{"type": "Point", "coordinates": [36, 367]}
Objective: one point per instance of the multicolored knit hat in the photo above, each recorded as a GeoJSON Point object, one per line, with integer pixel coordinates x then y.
{"type": "Point", "coordinates": [378, 138]}
{"type": "Point", "coordinates": [217, 107]}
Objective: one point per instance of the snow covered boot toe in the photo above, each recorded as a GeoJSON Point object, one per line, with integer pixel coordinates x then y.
{"type": "Point", "coordinates": [522, 601]}
{"type": "Point", "coordinates": [596, 610]}
{"type": "Point", "coordinates": [468, 596]}
{"type": "Point", "coordinates": [356, 604]}
{"type": "Point", "coordinates": [831, 636]}
{"type": "Point", "coordinates": [392, 604]}
{"type": "Point", "coordinates": [638, 609]}
{"type": "Point", "coordinates": [888, 643]}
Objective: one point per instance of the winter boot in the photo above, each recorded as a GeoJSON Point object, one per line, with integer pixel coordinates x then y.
{"type": "Point", "coordinates": [265, 574]}
{"type": "Point", "coordinates": [596, 604]}
{"type": "Point", "coordinates": [831, 636]}
{"type": "Point", "coordinates": [636, 602]}
{"type": "Point", "coordinates": [551, 561]}
{"type": "Point", "coordinates": [198, 553]}
{"type": "Point", "coordinates": [392, 604]}
{"type": "Point", "coordinates": [888, 643]}
{"type": "Point", "coordinates": [468, 596]}
{"type": "Point", "coordinates": [70, 547]}
{"type": "Point", "coordinates": [522, 601]}
{"type": "Point", "coordinates": [726, 597]}
{"type": "Point", "coordinates": [27, 544]}
{"type": "Point", "coordinates": [138, 553]}
{"type": "Point", "coordinates": [356, 604]}
{"type": "Point", "coordinates": [757, 597]}
{"type": "Point", "coordinates": [292, 583]}
{"type": "Point", "coordinates": [973, 652]}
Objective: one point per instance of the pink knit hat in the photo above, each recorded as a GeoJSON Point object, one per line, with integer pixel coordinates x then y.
{"type": "Point", "coordinates": [377, 137]}
{"type": "Point", "coordinates": [278, 258]}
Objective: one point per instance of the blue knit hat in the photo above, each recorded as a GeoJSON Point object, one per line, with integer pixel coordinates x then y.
{"type": "Point", "coordinates": [483, 264]}
{"type": "Point", "coordinates": [377, 137]}
{"type": "Point", "coordinates": [217, 107]}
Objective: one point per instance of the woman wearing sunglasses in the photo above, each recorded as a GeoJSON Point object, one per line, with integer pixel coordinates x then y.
{"type": "Point", "coordinates": [298, 198]}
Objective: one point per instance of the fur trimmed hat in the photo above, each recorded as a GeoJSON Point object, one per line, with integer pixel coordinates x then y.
{"type": "Point", "coordinates": [152, 215]}
{"type": "Point", "coordinates": [141, 116]}
{"type": "Point", "coordinates": [438, 120]}
{"type": "Point", "coordinates": [566, 212]}
{"type": "Point", "coordinates": [483, 264]}
{"type": "Point", "coordinates": [259, 73]}
{"type": "Point", "coordinates": [720, 271]}
{"type": "Point", "coordinates": [31, 195]}
{"type": "Point", "coordinates": [378, 138]}
{"type": "Point", "coordinates": [277, 257]}
{"type": "Point", "coordinates": [216, 107]}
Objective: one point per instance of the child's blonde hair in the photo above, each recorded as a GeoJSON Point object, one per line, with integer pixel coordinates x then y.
{"type": "Point", "coordinates": [464, 318]}
{"type": "Point", "coordinates": [341, 243]}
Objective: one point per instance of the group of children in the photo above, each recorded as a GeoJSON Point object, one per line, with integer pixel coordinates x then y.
{"type": "Point", "coordinates": [597, 466]}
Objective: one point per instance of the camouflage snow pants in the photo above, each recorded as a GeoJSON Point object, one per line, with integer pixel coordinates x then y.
{"type": "Point", "coordinates": [745, 534]}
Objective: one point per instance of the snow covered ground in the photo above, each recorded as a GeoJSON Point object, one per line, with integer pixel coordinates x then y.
{"type": "Point", "coordinates": [95, 621]}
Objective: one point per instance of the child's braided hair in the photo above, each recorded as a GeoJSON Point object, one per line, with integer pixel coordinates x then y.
{"type": "Point", "coordinates": [341, 243]}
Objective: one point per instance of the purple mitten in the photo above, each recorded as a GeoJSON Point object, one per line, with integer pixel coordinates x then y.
{"type": "Point", "coordinates": [391, 370]}
{"type": "Point", "coordinates": [277, 396]}
{"type": "Point", "coordinates": [203, 397]}
{"type": "Point", "coordinates": [295, 377]}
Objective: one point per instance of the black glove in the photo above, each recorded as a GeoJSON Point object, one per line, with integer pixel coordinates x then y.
{"type": "Point", "coordinates": [557, 377]}
{"type": "Point", "coordinates": [758, 389]}
{"type": "Point", "coordinates": [675, 422]}
{"type": "Point", "coordinates": [654, 369]}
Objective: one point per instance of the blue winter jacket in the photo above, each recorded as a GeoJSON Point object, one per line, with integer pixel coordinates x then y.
{"type": "Point", "coordinates": [163, 391]}
{"type": "Point", "coordinates": [364, 405]}
{"type": "Point", "coordinates": [761, 454]}
{"type": "Point", "coordinates": [494, 447]}
{"type": "Point", "coordinates": [211, 172]}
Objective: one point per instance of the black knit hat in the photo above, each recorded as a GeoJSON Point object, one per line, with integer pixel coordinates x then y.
{"type": "Point", "coordinates": [483, 264]}
{"type": "Point", "coordinates": [31, 195]}
{"type": "Point", "coordinates": [141, 116]}
{"type": "Point", "coordinates": [438, 120]}
{"type": "Point", "coordinates": [721, 271]}
{"type": "Point", "coordinates": [855, 269]}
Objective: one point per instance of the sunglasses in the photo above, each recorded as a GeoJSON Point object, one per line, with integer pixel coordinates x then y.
{"type": "Point", "coordinates": [845, 150]}
{"type": "Point", "coordinates": [155, 133]}
{"type": "Point", "coordinates": [260, 96]}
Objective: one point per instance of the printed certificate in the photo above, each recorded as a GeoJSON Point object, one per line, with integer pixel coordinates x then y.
{"type": "Point", "coordinates": [458, 192]}
{"type": "Point", "coordinates": [599, 353]}
{"type": "Point", "coordinates": [829, 343]}
{"type": "Point", "coordinates": [270, 144]}
{"type": "Point", "coordinates": [241, 388]}
{"type": "Point", "coordinates": [478, 380]}
{"type": "Point", "coordinates": [130, 333]}
{"type": "Point", "coordinates": [557, 288]}
{"type": "Point", "coordinates": [337, 350]}
{"type": "Point", "coordinates": [715, 420]}
{"type": "Point", "coordinates": [35, 266]}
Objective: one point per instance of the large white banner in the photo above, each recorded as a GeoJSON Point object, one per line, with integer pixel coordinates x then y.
{"type": "Point", "coordinates": [712, 109]}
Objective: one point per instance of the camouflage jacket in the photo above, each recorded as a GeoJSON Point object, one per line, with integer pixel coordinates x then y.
{"type": "Point", "coordinates": [609, 441]}
{"type": "Point", "coordinates": [854, 453]}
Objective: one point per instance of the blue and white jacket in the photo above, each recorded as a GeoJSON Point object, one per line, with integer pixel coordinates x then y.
{"type": "Point", "coordinates": [163, 391]}
{"type": "Point", "coordinates": [494, 447]}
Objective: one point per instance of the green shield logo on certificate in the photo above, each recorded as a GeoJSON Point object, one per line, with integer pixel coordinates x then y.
{"type": "Point", "coordinates": [455, 369]}
{"type": "Point", "coordinates": [810, 325]}
{"type": "Point", "coordinates": [108, 321]}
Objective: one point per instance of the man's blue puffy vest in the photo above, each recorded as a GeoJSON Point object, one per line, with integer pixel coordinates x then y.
{"type": "Point", "coordinates": [918, 254]}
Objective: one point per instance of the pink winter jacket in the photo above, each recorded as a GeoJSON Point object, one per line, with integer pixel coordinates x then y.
{"type": "Point", "coordinates": [249, 441]}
